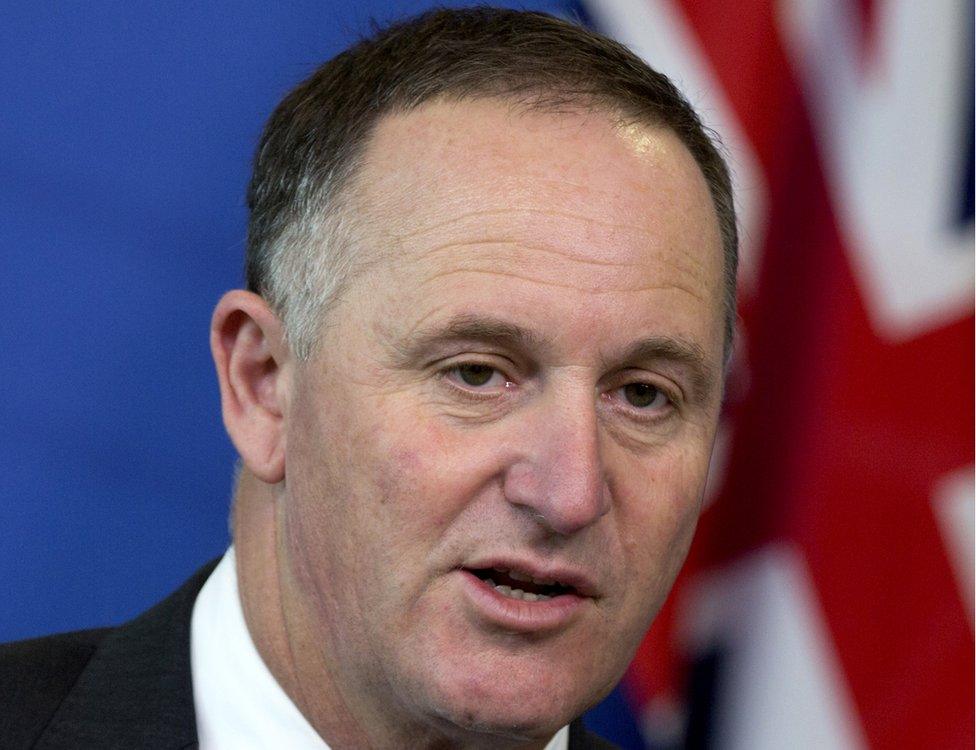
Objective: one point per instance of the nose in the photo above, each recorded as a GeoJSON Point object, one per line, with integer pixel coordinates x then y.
{"type": "Point", "coordinates": [560, 476]}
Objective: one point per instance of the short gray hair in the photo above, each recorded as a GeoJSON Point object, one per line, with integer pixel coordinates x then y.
{"type": "Point", "coordinates": [300, 235]}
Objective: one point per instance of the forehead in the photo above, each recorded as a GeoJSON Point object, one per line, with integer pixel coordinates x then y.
{"type": "Point", "coordinates": [449, 153]}
{"type": "Point", "coordinates": [455, 195]}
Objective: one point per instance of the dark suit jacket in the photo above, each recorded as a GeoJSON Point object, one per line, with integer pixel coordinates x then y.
{"type": "Point", "coordinates": [126, 688]}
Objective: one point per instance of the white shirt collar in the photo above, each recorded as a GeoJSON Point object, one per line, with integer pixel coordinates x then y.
{"type": "Point", "coordinates": [239, 704]}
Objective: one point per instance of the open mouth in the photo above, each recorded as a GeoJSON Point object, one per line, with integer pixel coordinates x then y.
{"type": "Point", "coordinates": [517, 585]}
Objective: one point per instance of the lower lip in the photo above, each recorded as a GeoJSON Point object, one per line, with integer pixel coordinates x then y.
{"type": "Point", "coordinates": [518, 615]}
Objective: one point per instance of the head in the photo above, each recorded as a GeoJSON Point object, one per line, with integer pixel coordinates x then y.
{"type": "Point", "coordinates": [300, 238]}
{"type": "Point", "coordinates": [491, 267]}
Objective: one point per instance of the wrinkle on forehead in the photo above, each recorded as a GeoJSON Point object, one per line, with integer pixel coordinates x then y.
{"type": "Point", "coordinates": [510, 211]}
{"type": "Point", "coordinates": [565, 248]}
{"type": "Point", "coordinates": [514, 247]}
{"type": "Point", "coordinates": [598, 288]}
{"type": "Point", "coordinates": [497, 253]}
{"type": "Point", "coordinates": [637, 212]}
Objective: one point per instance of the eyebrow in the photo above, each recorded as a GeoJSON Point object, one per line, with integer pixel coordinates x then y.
{"type": "Point", "coordinates": [466, 327]}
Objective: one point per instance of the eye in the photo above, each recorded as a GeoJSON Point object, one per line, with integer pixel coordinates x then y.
{"type": "Point", "coordinates": [475, 375]}
{"type": "Point", "coordinates": [645, 396]}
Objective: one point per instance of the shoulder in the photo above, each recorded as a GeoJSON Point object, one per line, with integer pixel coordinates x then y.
{"type": "Point", "coordinates": [35, 677]}
{"type": "Point", "coordinates": [125, 687]}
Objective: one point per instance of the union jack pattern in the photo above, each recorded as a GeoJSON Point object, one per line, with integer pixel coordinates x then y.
{"type": "Point", "coordinates": [828, 598]}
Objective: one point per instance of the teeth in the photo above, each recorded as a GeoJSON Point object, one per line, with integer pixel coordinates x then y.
{"type": "Point", "coordinates": [511, 593]}
{"type": "Point", "coordinates": [515, 575]}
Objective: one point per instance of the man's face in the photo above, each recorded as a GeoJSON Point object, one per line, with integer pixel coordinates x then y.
{"type": "Point", "coordinates": [523, 383]}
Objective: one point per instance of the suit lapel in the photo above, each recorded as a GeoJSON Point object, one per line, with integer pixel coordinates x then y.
{"type": "Point", "coordinates": [136, 691]}
{"type": "Point", "coordinates": [582, 739]}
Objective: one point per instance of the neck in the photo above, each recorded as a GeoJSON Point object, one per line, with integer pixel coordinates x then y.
{"type": "Point", "coordinates": [275, 631]}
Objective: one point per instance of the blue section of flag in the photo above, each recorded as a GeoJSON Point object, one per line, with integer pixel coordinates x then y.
{"type": "Point", "coordinates": [614, 720]}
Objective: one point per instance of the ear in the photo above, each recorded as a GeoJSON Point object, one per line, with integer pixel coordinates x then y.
{"type": "Point", "coordinates": [251, 355]}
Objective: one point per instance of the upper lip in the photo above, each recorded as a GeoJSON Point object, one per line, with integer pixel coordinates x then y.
{"type": "Point", "coordinates": [567, 575]}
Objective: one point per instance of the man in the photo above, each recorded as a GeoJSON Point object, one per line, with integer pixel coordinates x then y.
{"type": "Point", "coordinates": [474, 384]}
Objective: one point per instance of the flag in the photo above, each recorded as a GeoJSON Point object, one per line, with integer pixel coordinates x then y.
{"type": "Point", "coordinates": [827, 601]}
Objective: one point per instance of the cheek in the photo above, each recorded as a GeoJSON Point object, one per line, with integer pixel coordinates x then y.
{"type": "Point", "coordinates": [429, 476]}
{"type": "Point", "coordinates": [412, 493]}
{"type": "Point", "coordinates": [658, 518]}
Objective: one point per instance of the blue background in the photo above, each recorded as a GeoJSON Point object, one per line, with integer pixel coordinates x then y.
{"type": "Point", "coordinates": [127, 131]}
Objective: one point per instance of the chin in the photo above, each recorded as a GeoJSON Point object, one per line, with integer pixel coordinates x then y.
{"type": "Point", "coordinates": [506, 704]}
{"type": "Point", "coordinates": [494, 727]}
